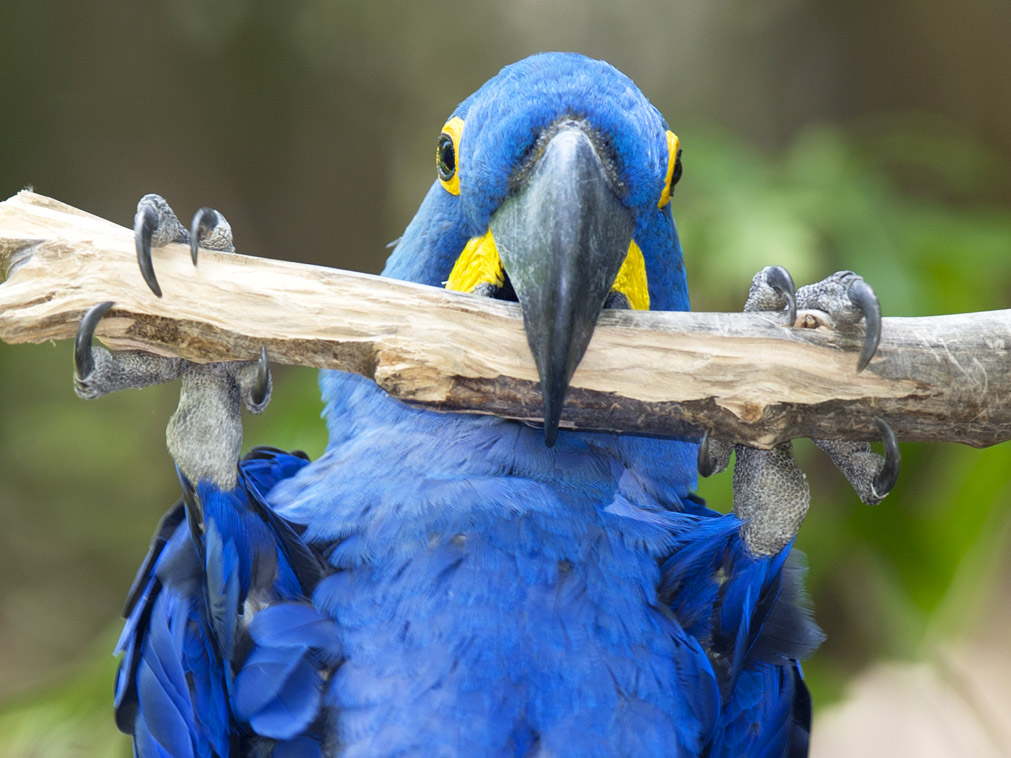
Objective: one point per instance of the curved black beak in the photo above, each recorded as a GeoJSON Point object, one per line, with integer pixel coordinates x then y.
{"type": "Point", "coordinates": [562, 235]}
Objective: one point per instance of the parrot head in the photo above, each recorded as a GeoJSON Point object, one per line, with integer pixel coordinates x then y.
{"type": "Point", "coordinates": [553, 188]}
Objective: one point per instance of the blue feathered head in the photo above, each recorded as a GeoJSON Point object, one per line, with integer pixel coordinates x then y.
{"type": "Point", "coordinates": [553, 188]}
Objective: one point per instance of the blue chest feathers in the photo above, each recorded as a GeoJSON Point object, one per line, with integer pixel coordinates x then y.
{"type": "Point", "coordinates": [489, 589]}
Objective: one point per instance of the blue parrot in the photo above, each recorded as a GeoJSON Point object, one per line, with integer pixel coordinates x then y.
{"type": "Point", "coordinates": [460, 585]}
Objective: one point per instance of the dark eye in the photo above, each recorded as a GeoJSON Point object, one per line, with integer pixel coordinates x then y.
{"type": "Point", "coordinates": [677, 171]}
{"type": "Point", "coordinates": [446, 157]}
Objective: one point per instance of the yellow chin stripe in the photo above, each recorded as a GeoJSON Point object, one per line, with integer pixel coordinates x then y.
{"type": "Point", "coordinates": [479, 263]}
{"type": "Point", "coordinates": [631, 279]}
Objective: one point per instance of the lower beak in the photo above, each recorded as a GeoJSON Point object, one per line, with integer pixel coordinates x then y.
{"type": "Point", "coordinates": [562, 236]}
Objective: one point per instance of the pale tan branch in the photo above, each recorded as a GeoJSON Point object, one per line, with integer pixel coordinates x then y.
{"type": "Point", "coordinates": [748, 377]}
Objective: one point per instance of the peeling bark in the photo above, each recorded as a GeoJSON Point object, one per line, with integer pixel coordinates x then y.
{"type": "Point", "coordinates": [748, 377]}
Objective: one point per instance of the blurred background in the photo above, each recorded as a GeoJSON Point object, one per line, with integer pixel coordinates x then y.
{"type": "Point", "coordinates": [873, 135]}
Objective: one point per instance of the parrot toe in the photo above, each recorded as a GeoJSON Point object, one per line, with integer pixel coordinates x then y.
{"type": "Point", "coordinates": [772, 290]}
{"type": "Point", "coordinates": [872, 476]}
{"type": "Point", "coordinates": [714, 455]}
{"type": "Point", "coordinates": [84, 356]}
{"type": "Point", "coordinates": [98, 371]}
{"type": "Point", "coordinates": [211, 231]}
{"type": "Point", "coordinates": [156, 225]}
{"type": "Point", "coordinates": [254, 383]}
{"type": "Point", "coordinates": [864, 299]}
{"type": "Point", "coordinates": [847, 299]}
{"type": "Point", "coordinates": [888, 474]}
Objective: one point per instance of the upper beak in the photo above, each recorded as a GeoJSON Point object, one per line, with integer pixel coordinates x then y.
{"type": "Point", "coordinates": [562, 235]}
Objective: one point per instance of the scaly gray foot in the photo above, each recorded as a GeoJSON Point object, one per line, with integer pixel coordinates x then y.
{"type": "Point", "coordinates": [155, 225]}
{"type": "Point", "coordinates": [205, 433]}
{"type": "Point", "coordinates": [848, 300]}
{"type": "Point", "coordinates": [770, 491]}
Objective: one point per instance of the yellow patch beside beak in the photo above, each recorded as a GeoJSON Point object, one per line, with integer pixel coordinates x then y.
{"type": "Point", "coordinates": [631, 279]}
{"type": "Point", "coordinates": [479, 263]}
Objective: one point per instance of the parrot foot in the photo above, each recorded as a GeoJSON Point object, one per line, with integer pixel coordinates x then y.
{"type": "Point", "coordinates": [98, 371]}
{"type": "Point", "coordinates": [847, 299]}
{"type": "Point", "coordinates": [156, 225]}
{"type": "Point", "coordinates": [771, 494]}
{"type": "Point", "coordinates": [205, 433]}
{"type": "Point", "coordinates": [871, 475]}
{"type": "Point", "coordinates": [770, 491]}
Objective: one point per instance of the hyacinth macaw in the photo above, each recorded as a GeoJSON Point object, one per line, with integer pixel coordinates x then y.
{"type": "Point", "coordinates": [457, 585]}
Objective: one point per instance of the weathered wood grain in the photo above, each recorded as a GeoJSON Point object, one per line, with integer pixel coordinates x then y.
{"type": "Point", "coordinates": [748, 377]}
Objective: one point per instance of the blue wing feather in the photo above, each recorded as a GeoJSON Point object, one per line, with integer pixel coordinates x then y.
{"type": "Point", "coordinates": [186, 614]}
{"type": "Point", "coordinates": [166, 711]}
{"type": "Point", "coordinates": [298, 625]}
{"type": "Point", "coordinates": [278, 692]}
{"type": "Point", "coordinates": [145, 745]}
{"type": "Point", "coordinates": [222, 588]}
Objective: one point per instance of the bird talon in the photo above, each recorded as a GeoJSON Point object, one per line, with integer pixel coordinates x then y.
{"type": "Point", "coordinates": [888, 475]}
{"type": "Point", "coordinates": [771, 289]}
{"type": "Point", "coordinates": [864, 299]}
{"type": "Point", "coordinates": [780, 280]}
{"type": "Point", "coordinates": [707, 466]}
{"type": "Point", "coordinates": [84, 362]}
{"type": "Point", "coordinates": [205, 220]}
{"type": "Point", "coordinates": [261, 388]}
{"type": "Point", "coordinates": [714, 454]}
{"type": "Point", "coordinates": [144, 224]}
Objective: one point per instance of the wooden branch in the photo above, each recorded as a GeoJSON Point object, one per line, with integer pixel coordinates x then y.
{"type": "Point", "coordinates": [748, 377]}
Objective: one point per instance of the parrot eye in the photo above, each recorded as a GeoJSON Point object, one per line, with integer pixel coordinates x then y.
{"type": "Point", "coordinates": [446, 155]}
{"type": "Point", "coordinates": [673, 168]}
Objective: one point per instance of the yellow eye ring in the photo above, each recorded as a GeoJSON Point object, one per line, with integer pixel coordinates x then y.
{"type": "Point", "coordinates": [447, 155]}
{"type": "Point", "coordinates": [673, 168]}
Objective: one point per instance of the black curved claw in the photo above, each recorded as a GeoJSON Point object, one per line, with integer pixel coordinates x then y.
{"type": "Point", "coordinates": [144, 225]}
{"type": "Point", "coordinates": [706, 465]}
{"type": "Point", "coordinates": [863, 297]}
{"type": "Point", "coordinates": [262, 386]}
{"type": "Point", "coordinates": [84, 364]}
{"type": "Point", "coordinates": [203, 222]}
{"type": "Point", "coordinates": [889, 473]}
{"type": "Point", "coordinates": [780, 280]}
